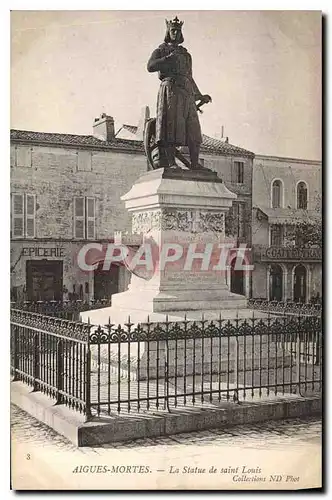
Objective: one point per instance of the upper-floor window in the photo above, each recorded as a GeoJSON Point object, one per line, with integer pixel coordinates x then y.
{"type": "Point", "coordinates": [276, 235]}
{"type": "Point", "coordinates": [302, 195]}
{"type": "Point", "coordinates": [21, 156]}
{"type": "Point", "coordinates": [276, 194]}
{"type": "Point", "coordinates": [239, 172]}
{"type": "Point", "coordinates": [84, 218]}
{"type": "Point", "coordinates": [23, 215]}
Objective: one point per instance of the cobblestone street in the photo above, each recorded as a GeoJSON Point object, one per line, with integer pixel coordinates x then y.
{"type": "Point", "coordinates": [285, 441]}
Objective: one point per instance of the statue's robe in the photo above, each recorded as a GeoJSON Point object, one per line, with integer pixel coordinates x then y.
{"type": "Point", "coordinates": [177, 119]}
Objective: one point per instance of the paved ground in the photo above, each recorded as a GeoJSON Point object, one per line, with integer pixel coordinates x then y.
{"type": "Point", "coordinates": [275, 447]}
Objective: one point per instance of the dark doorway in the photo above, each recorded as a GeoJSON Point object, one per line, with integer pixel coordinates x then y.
{"type": "Point", "coordinates": [237, 279]}
{"type": "Point", "coordinates": [44, 279]}
{"type": "Point", "coordinates": [300, 279]}
{"type": "Point", "coordinates": [106, 283]}
{"type": "Point", "coordinates": [276, 282]}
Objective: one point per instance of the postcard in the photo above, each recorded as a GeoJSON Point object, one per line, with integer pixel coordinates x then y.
{"type": "Point", "coordinates": [166, 250]}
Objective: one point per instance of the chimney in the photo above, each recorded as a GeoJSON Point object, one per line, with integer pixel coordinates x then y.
{"type": "Point", "coordinates": [145, 116]}
{"type": "Point", "coordinates": [222, 138]}
{"type": "Point", "coordinates": [103, 128]}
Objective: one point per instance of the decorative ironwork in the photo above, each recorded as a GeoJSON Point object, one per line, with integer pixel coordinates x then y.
{"type": "Point", "coordinates": [66, 309]}
{"type": "Point", "coordinates": [288, 307]}
{"type": "Point", "coordinates": [99, 368]}
{"type": "Point", "coordinates": [56, 326]}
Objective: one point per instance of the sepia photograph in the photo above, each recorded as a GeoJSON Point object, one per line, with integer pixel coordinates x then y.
{"type": "Point", "coordinates": [166, 285]}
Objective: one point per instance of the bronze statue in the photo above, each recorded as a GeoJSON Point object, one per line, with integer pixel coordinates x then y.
{"type": "Point", "coordinates": [177, 121]}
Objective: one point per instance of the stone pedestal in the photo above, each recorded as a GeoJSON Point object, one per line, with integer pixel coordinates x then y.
{"type": "Point", "coordinates": [186, 209]}
{"type": "Point", "coordinates": [179, 215]}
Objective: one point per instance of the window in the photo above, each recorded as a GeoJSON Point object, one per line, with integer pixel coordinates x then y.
{"type": "Point", "coordinates": [23, 215]}
{"type": "Point", "coordinates": [84, 161]}
{"type": "Point", "coordinates": [276, 236]}
{"type": "Point", "coordinates": [23, 156]}
{"type": "Point", "coordinates": [84, 217]}
{"type": "Point", "coordinates": [302, 195]}
{"type": "Point", "coordinates": [239, 172]}
{"type": "Point", "coordinates": [276, 194]}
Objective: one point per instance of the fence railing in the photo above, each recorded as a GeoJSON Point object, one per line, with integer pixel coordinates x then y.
{"type": "Point", "coordinates": [159, 366]}
{"type": "Point", "coordinates": [67, 309]}
{"type": "Point", "coordinates": [287, 307]}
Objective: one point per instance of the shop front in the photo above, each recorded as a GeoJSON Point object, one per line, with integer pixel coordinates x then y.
{"type": "Point", "coordinates": [287, 274]}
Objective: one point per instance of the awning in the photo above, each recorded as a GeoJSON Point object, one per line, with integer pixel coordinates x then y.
{"type": "Point", "coordinates": [288, 215]}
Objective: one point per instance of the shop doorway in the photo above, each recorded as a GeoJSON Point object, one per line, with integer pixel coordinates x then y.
{"type": "Point", "coordinates": [44, 279]}
{"type": "Point", "coordinates": [276, 282]}
{"type": "Point", "coordinates": [106, 283]}
{"type": "Point", "coordinates": [237, 279]}
{"type": "Point", "coordinates": [300, 281]}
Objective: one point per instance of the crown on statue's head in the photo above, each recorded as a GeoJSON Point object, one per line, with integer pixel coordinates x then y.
{"type": "Point", "coordinates": [174, 23]}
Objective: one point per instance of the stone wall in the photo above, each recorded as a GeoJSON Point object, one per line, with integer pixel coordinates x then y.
{"type": "Point", "coordinates": [57, 174]}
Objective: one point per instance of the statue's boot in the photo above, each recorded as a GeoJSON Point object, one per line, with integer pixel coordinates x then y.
{"type": "Point", "coordinates": [194, 149]}
{"type": "Point", "coordinates": [170, 154]}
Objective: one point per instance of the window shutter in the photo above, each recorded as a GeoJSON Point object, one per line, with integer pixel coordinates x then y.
{"type": "Point", "coordinates": [241, 167]}
{"type": "Point", "coordinates": [23, 156]}
{"type": "Point", "coordinates": [30, 215]}
{"type": "Point", "coordinates": [90, 218]}
{"type": "Point", "coordinates": [84, 161]}
{"type": "Point", "coordinates": [233, 172]}
{"type": "Point", "coordinates": [18, 215]}
{"type": "Point", "coordinates": [79, 217]}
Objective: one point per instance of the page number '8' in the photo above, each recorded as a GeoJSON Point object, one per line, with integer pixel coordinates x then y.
{"type": "Point", "coordinates": [28, 457]}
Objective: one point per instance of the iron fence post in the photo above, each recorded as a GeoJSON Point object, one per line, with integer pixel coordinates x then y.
{"type": "Point", "coordinates": [36, 366]}
{"type": "Point", "coordinates": [236, 371]}
{"type": "Point", "coordinates": [88, 414]}
{"type": "Point", "coordinates": [59, 371]}
{"type": "Point", "coordinates": [15, 352]}
{"type": "Point", "coordinates": [298, 362]}
{"type": "Point", "coordinates": [318, 340]}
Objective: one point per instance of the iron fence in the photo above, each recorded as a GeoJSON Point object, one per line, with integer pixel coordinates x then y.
{"type": "Point", "coordinates": [287, 307]}
{"type": "Point", "coordinates": [99, 370]}
{"type": "Point", "coordinates": [67, 309]}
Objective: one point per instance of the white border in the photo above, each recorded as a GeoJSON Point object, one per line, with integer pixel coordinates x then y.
{"type": "Point", "coordinates": [124, 5]}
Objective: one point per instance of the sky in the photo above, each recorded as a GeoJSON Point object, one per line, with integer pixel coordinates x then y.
{"type": "Point", "coordinates": [261, 68]}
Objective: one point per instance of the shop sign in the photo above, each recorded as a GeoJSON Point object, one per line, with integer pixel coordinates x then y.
{"type": "Point", "coordinates": [282, 253]}
{"type": "Point", "coordinates": [42, 252]}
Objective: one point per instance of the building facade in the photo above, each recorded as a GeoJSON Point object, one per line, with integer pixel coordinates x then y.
{"type": "Point", "coordinates": [286, 229]}
{"type": "Point", "coordinates": [66, 192]}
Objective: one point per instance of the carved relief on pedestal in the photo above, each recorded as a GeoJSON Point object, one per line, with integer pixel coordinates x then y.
{"type": "Point", "coordinates": [211, 221]}
{"type": "Point", "coordinates": [178, 220]}
{"type": "Point", "coordinates": [171, 219]}
{"type": "Point", "coordinates": [143, 222]}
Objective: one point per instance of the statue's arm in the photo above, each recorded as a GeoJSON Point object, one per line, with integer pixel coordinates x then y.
{"type": "Point", "coordinates": [198, 96]}
{"type": "Point", "coordinates": [156, 61]}
{"type": "Point", "coordinates": [196, 91]}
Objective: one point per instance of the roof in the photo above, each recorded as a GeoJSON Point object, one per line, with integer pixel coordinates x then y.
{"type": "Point", "coordinates": [73, 140]}
{"type": "Point", "coordinates": [210, 145]}
{"type": "Point", "coordinates": [261, 157]}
